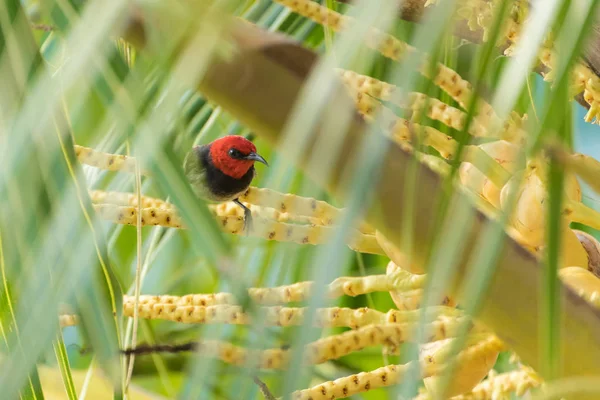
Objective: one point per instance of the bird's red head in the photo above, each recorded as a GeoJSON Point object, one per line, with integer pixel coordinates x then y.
{"type": "Point", "coordinates": [234, 155]}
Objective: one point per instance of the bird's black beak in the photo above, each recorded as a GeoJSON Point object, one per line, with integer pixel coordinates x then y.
{"type": "Point", "coordinates": [255, 157]}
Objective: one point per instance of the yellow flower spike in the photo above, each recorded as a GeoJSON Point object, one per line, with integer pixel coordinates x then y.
{"type": "Point", "coordinates": [127, 199]}
{"type": "Point", "coordinates": [402, 130]}
{"type": "Point", "coordinates": [582, 282]}
{"type": "Point", "coordinates": [297, 206]}
{"type": "Point", "coordinates": [499, 386]}
{"type": "Point", "coordinates": [229, 209]}
{"type": "Point", "coordinates": [404, 300]}
{"type": "Point", "coordinates": [319, 14]}
{"type": "Point", "coordinates": [386, 44]}
{"type": "Point", "coordinates": [592, 97]}
{"type": "Point", "coordinates": [328, 348]}
{"type": "Point", "coordinates": [354, 384]}
{"type": "Point", "coordinates": [399, 280]}
{"type": "Point", "coordinates": [385, 376]}
{"type": "Point", "coordinates": [479, 14]}
{"type": "Point", "coordinates": [460, 90]}
{"type": "Point", "coordinates": [219, 314]}
{"type": "Point", "coordinates": [127, 215]}
{"type": "Point", "coordinates": [473, 364]}
{"type": "Point", "coordinates": [336, 346]}
{"type": "Point", "coordinates": [301, 291]}
{"type": "Point", "coordinates": [350, 286]}
{"type": "Point", "coordinates": [389, 46]}
{"type": "Point", "coordinates": [107, 161]}
{"type": "Point", "coordinates": [290, 206]}
{"type": "Point", "coordinates": [209, 299]}
{"type": "Point", "coordinates": [436, 109]}
{"type": "Point", "coordinates": [265, 228]}
{"type": "Point", "coordinates": [582, 77]}
{"type": "Point", "coordinates": [274, 316]}
{"type": "Point", "coordinates": [410, 300]}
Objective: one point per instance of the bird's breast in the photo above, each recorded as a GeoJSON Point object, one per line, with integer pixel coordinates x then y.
{"type": "Point", "coordinates": [222, 187]}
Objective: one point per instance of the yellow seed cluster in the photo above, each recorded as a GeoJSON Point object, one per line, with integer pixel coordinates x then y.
{"type": "Point", "coordinates": [434, 108]}
{"type": "Point", "coordinates": [418, 102]}
{"type": "Point", "coordinates": [328, 348]}
{"type": "Point", "coordinates": [472, 365]}
{"type": "Point", "coordinates": [228, 209]}
{"type": "Point", "coordinates": [353, 286]}
{"type": "Point", "coordinates": [354, 384]}
{"type": "Point", "coordinates": [478, 14]}
{"type": "Point", "coordinates": [127, 215]}
{"type": "Point", "coordinates": [400, 280]}
{"type": "Point", "coordinates": [591, 95]}
{"type": "Point", "coordinates": [499, 386]}
{"type": "Point", "coordinates": [316, 210]}
{"type": "Point", "coordinates": [582, 77]}
{"type": "Point", "coordinates": [386, 376]}
{"type": "Point", "coordinates": [336, 346]}
{"type": "Point", "coordinates": [263, 227]}
{"type": "Point", "coordinates": [209, 299]}
{"type": "Point", "coordinates": [107, 161]}
{"type": "Point", "coordinates": [281, 207]}
{"type": "Point", "coordinates": [273, 316]}
{"type": "Point", "coordinates": [403, 130]}
{"type": "Point", "coordinates": [461, 91]}
{"type": "Point", "coordinates": [386, 44]}
{"type": "Point", "coordinates": [232, 209]}
{"type": "Point", "coordinates": [448, 80]}
{"type": "Point", "coordinates": [127, 199]}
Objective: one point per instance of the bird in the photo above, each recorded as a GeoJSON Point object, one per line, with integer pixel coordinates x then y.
{"type": "Point", "coordinates": [223, 170]}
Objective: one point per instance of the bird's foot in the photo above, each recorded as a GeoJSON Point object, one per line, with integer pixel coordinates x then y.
{"type": "Point", "coordinates": [247, 217]}
{"type": "Point", "coordinates": [247, 221]}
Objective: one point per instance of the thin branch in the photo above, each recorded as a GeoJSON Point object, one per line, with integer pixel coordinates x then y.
{"type": "Point", "coordinates": [264, 389]}
{"type": "Point", "coordinates": [43, 27]}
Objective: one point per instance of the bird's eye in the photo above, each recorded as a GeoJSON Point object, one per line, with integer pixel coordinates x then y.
{"type": "Point", "coordinates": [235, 153]}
